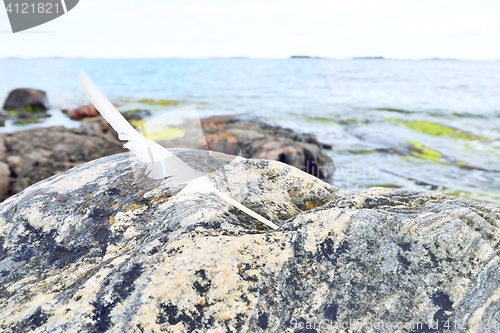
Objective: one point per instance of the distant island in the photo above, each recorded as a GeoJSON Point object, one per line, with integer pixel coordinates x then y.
{"type": "Point", "coordinates": [368, 58]}
{"type": "Point", "coordinates": [441, 59]}
{"type": "Point", "coordinates": [304, 57]}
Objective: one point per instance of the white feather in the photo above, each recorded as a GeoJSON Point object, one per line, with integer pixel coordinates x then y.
{"type": "Point", "coordinates": [161, 162]}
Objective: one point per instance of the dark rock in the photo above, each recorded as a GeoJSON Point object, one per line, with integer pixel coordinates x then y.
{"type": "Point", "coordinates": [35, 154]}
{"type": "Point", "coordinates": [4, 179]}
{"type": "Point", "coordinates": [3, 117]}
{"type": "Point", "coordinates": [90, 110]}
{"type": "Point", "coordinates": [136, 114]}
{"type": "Point", "coordinates": [97, 126]}
{"type": "Point", "coordinates": [97, 250]}
{"type": "Point", "coordinates": [257, 138]}
{"type": "Point", "coordinates": [26, 99]}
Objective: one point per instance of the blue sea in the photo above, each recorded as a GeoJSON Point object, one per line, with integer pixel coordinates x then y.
{"type": "Point", "coordinates": [430, 125]}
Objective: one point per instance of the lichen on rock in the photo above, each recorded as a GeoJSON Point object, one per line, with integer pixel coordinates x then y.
{"type": "Point", "coordinates": [97, 249]}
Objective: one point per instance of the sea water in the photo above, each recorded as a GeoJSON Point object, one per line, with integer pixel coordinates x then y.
{"type": "Point", "coordinates": [430, 125]}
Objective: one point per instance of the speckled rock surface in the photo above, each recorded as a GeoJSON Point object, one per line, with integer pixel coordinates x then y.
{"type": "Point", "coordinates": [97, 250]}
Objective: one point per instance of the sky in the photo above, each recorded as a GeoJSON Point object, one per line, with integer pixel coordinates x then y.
{"type": "Point", "coordinates": [401, 29]}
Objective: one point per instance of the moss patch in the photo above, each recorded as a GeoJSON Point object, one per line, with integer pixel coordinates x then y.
{"type": "Point", "coordinates": [419, 150]}
{"type": "Point", "coordinates": [435, 129]}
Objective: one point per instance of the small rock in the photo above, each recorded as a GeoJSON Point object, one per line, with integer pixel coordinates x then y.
{"type": "Point", "coordinates": [83, 112]}
{"type": "Point", "coordinates": [256, 138]}
{"type": "Point", "coordinates": [2, 148]}
{"type": "Point", "coordinates": [39, 153]}
{"type": "Point", "coordinates": [26, 99]}
{"type": "Point", "coordinates": [3, 117]}
{"type": "Point", "coordinates": [136, 114]}
{"type": "Point", "coordinates": [4, 179]}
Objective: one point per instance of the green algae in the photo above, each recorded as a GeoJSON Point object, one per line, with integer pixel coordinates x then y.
{"type": "Point", "coordinates": [136, 123]}
{"type": "Point", "coordinates": [360, 151]}
{"type": "Point", "coordinates": [386, 185]}
{"type": "Point", "coordinates": [32, 109]}
{"type": "Point", "coordinates": [26, 121]}
{"type": "Point", "coordinates": [423, 152]}
{"type": "Point", "coordinates": [392, 110]}
{"type": "Point", "coordinates": [11, 112]}
{"type": "Point", "coordinates": [321, 119]}
{"type": "Point", "coordinates": [435, 129]}
{"type": "Point", "coordinates": [169, 133]}
{"type": "Point", "coordinates": [326, 120]}
{"type": "Point", "coordinates": [348, 122]}
{"type": "Point", "coordinates": [473, 195]}
{"type": "Point", "coordinates": [27, 108]}
{"type": "Point", "coordinates": [150, 101]}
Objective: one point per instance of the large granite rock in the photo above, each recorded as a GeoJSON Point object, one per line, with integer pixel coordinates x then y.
{"type": "Point", "coordinates": [96, 249]}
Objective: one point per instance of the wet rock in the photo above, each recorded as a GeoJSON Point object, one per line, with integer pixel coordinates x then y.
{"type": "Point", "coordinates": [83, 112]}
{"type": "Point", "coordinates": [3, 117]}
{"type": "Point", "coordinates": [96, 250]}
{"type": "Point", "coordinates": [26, 99]}
{"type": "Point", "coordinates": [25, 106]}
{"type": "Point", "coordinates": [136, 114]}
{"type": "Point", "coordinates": [89, 111]}
{"type": "Point", "coordinates": [35, 154]}
{"type": "Point", "coordinates": [4, 179]}
{"type": "Point", "coordinates": [383, 142]}
{"type": "Point", "coordinates": [97, 126]}
{"type": "Point", "coordinates": [257, 138]}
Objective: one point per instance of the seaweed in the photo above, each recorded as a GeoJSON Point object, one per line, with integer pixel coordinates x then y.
{"type": "Point", "coordinates": [435, 129]}
{"type": "Point", "coordinates": [150, 101]}
{"type": "Point", "coordinates": [423, 152]}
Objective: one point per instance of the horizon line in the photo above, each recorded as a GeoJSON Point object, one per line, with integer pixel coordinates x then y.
{"type": "Point", "coordinates": [292, 57]}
